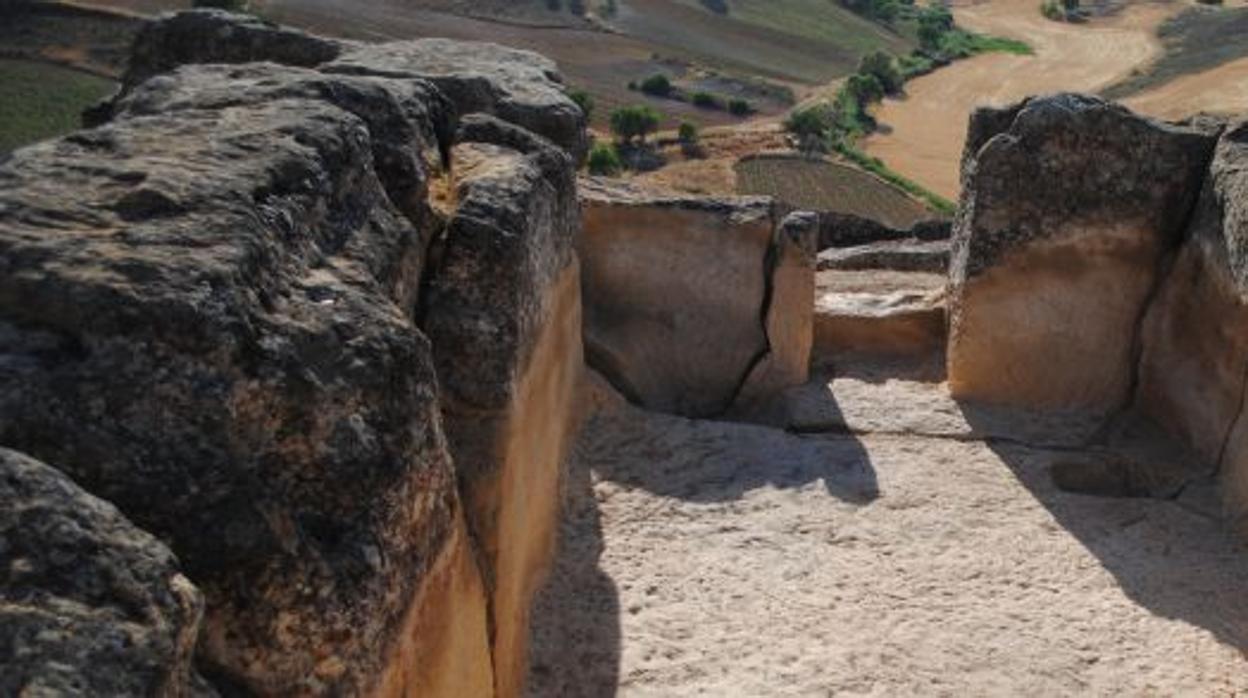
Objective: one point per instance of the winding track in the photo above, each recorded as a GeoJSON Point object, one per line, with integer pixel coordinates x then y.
{"type": "Point", "coordinates": [925, 130]}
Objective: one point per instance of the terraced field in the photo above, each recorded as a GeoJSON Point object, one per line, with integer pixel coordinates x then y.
{"type": "Point", "coordinates": [801, 41]}
{"type": "Point", "coordinates": [821, 185]}
{"type": "Point", "coordinates": [39, 100]}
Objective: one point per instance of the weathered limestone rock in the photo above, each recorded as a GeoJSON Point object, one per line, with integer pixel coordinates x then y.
{"type": "Point", "coordinates": [207, 320]}
{"type": "Point", "coordinates": [216, 36]}
{"type": "Point", "coordinates": [902, 323]}
{"type": "Point", "coordinates": [504, 315]}
{"type": "Point", "coordinates": [789, 312]}
{"type": "Point", "coordinates": [847, 230]}
{"type": "Point", "coordinates": [1070, 205]}
{"type": "Point", "coordinates": [90, 605]}
{"type": "Point", "coordinates": [1194, 368]}
{"type": "Point", "coordinates": [675, 291]}
{"type": "Point", "coordinates": [910, 254]}
{"type": "Point", "coordinates": [521, 87]}
{"type": "Point", "coordinates": [518, 86]}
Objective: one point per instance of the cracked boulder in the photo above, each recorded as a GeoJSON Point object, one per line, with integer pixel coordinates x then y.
{"type": "Point", "coordinates": [676, 292]}
{"type": "Point", "coordinates": [1070, 205]}
{"type": "Point", "coordinates": [504, 316]}
{"type": "Point", "coordinates": [1194, 368]}
{"type": "Point", "coordinates": [207, 318]}
{"type": "Point", "coordinates": [90, 605]}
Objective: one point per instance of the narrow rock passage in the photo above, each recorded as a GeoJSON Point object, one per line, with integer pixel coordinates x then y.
{"type": "Point", "coordinates": [904, 553]}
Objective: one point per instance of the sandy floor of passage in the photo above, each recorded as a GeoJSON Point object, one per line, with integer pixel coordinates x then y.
{"type": "Point", "coordinates": [926, 129]}
{"type": "Point", "coordinates": [714, 559]}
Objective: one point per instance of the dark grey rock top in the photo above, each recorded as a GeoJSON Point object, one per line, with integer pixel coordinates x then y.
{"type": "Point", "coordinates": [1220, 223]}
{"type": "Point", "coordinates": [1033, 170]}
{"type": "Point", "coordinates": [90, 605]}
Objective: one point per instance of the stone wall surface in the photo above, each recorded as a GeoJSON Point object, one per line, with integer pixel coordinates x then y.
{"type": "Point", "coordinates": [238, 311]}
{"type": "Point", "coordinates": [676, 292]}
{"type": "Point", "coordinates": [504, 315]}
{"type": "Point", "coordinates": [1070, 206]}
{"type": "Point", "coordinates": [1194, 367]}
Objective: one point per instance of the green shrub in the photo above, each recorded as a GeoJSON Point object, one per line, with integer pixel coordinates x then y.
{"type": "Point", "coordinates": [865, 89]}
{"type": "Point", "coordinates": [687, 133]}
{"type": "Point", "coordinates": [739, 107]}
{"type": "Point", "coordinates": [657, 85]}
{"type": "Point", "coordinates": [604, 159]}
{"type": "Point", "coordinates": [585, 101]}
{"type": "Point", "coordinates": [706, 100]}
{"type": "Point", "coordinates": [882, 66]}
{"type": "Point", "coordinates": [1052, 9]}
{"type": "Point", "coordinates": [634, 122]}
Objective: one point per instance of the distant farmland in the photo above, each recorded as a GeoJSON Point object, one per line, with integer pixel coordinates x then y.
{"type": "Point", "coordinates": [819, 185]}
{"type": "Point", "coordinates": [39, 100]}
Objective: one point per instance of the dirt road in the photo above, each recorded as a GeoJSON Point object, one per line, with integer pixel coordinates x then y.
{"type": "Point", "coordinates": [924, 132]}
{"type": "Point", "coordinates": [1221, 89]}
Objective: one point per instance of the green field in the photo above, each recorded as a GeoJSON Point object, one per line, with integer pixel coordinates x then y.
{"type": "Point", "coordinates": [39, 100]}
{"type": "Point", "coordinates": [820, 185]}
{"type": "Point", "coordinates": [1199, 39]}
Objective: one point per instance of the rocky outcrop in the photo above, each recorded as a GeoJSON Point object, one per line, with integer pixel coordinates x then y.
{"type": "Point", "coordinates": [279, 319]}
{"type": "Point", "coordinates": [678, 294]}
{"type": "Point", "coordinates": [1194, 367]}
{"type": "Point", "coordinates": [1070, 206]}
{"type": "Point", "coordinates": [519, 87]}
{"type": "Point", "coordinates": [909, 254]}
{"type": "Point", "coordinates": [847, 230]}
{"type": "Point", "coordinates": [789, 327]}
{"type": "Point", "coordinates": [504, 315]}
{"type": "Point", "coordinates": [90, 605]}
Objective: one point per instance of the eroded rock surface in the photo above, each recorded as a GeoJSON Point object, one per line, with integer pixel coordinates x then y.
{"type": "Point", "coordinates": [90, 605]}
{"type": "Point", "coordinates": [504, 314]}
{"type": "Point", "coordinates": [1070, 205]}
{"type": "Point", "coordinates": [216, 312]}
{"type": "Point", "coordinates": [1194, 367]}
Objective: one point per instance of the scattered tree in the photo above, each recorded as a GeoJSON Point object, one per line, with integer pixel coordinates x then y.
{"type": "Point", "coordinates": [687, 133]}
{"type": "Point", "coordinates": [657, 85]}
{"type": "Point", "coordinates": [810, 125]}
{"type": "Point", "coordinates": [864, 89]}
{"type": "Point", "coordinates": [604, 159]}
{"type": "Point", "coordinates": [883, 68]}
{"type": "Point", "coordinates": [739, 107]}
{"type": "Point", "coordinates": [706, 100]}
{"type": "Point", "coordinates": [585, 101]}
{"type": "Point", "coordinates": [934, 22]}
{"type": "Point", "coordinates": [634, 122]}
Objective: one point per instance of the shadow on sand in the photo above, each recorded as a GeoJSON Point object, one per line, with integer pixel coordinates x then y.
{"type": "Point", "coordinates": [576, 634]}
{"type": "Point", "coordinates": [1172, 555]}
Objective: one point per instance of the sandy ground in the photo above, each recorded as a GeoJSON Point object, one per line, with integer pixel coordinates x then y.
{"type": "Point", "coordinates": [1222, 89]}
{"type": "Point", "coordinates": [925, 130]}
{"type": "Point", "coordinates": [909, 553]}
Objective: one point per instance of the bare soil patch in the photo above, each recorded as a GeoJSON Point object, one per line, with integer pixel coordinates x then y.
{"type": "Point", "coordinates": [924, 131]}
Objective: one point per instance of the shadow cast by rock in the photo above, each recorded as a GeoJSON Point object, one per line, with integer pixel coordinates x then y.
{"type": "Point", "coordinates": [575, 649]}
{"type": "Point", "coordinates": [1173, 556]}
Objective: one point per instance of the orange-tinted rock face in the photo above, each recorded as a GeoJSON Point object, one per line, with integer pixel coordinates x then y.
{"type": "Point", "coordinates": [1053, 324]}
{"type": "Point", "coordinates": [1194, 368]}
{"type": "Point", "coordinates": [504, 314]}
{"type": "Point", "coordinates": [1069, 206]}
{"type": "Point", "coordinates": [674, 295]}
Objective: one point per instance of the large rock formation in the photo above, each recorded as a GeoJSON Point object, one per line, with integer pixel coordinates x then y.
{"type": "Point", "coordinates": [249, 311]}
{"type": "Point", "coordinates": [1069, 207]}
{"type": "Point", "coordinates": [504, 314]}
{"type": "Point", "coordinates": [679, 294]}
{"type": "Point", "coordinates": [90, 605]}
{"type": "Point", "coordinates": [1194, 368]}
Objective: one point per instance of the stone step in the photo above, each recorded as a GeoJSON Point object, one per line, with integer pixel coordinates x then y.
{"type": "Point", "coordinates": [878, 312]}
